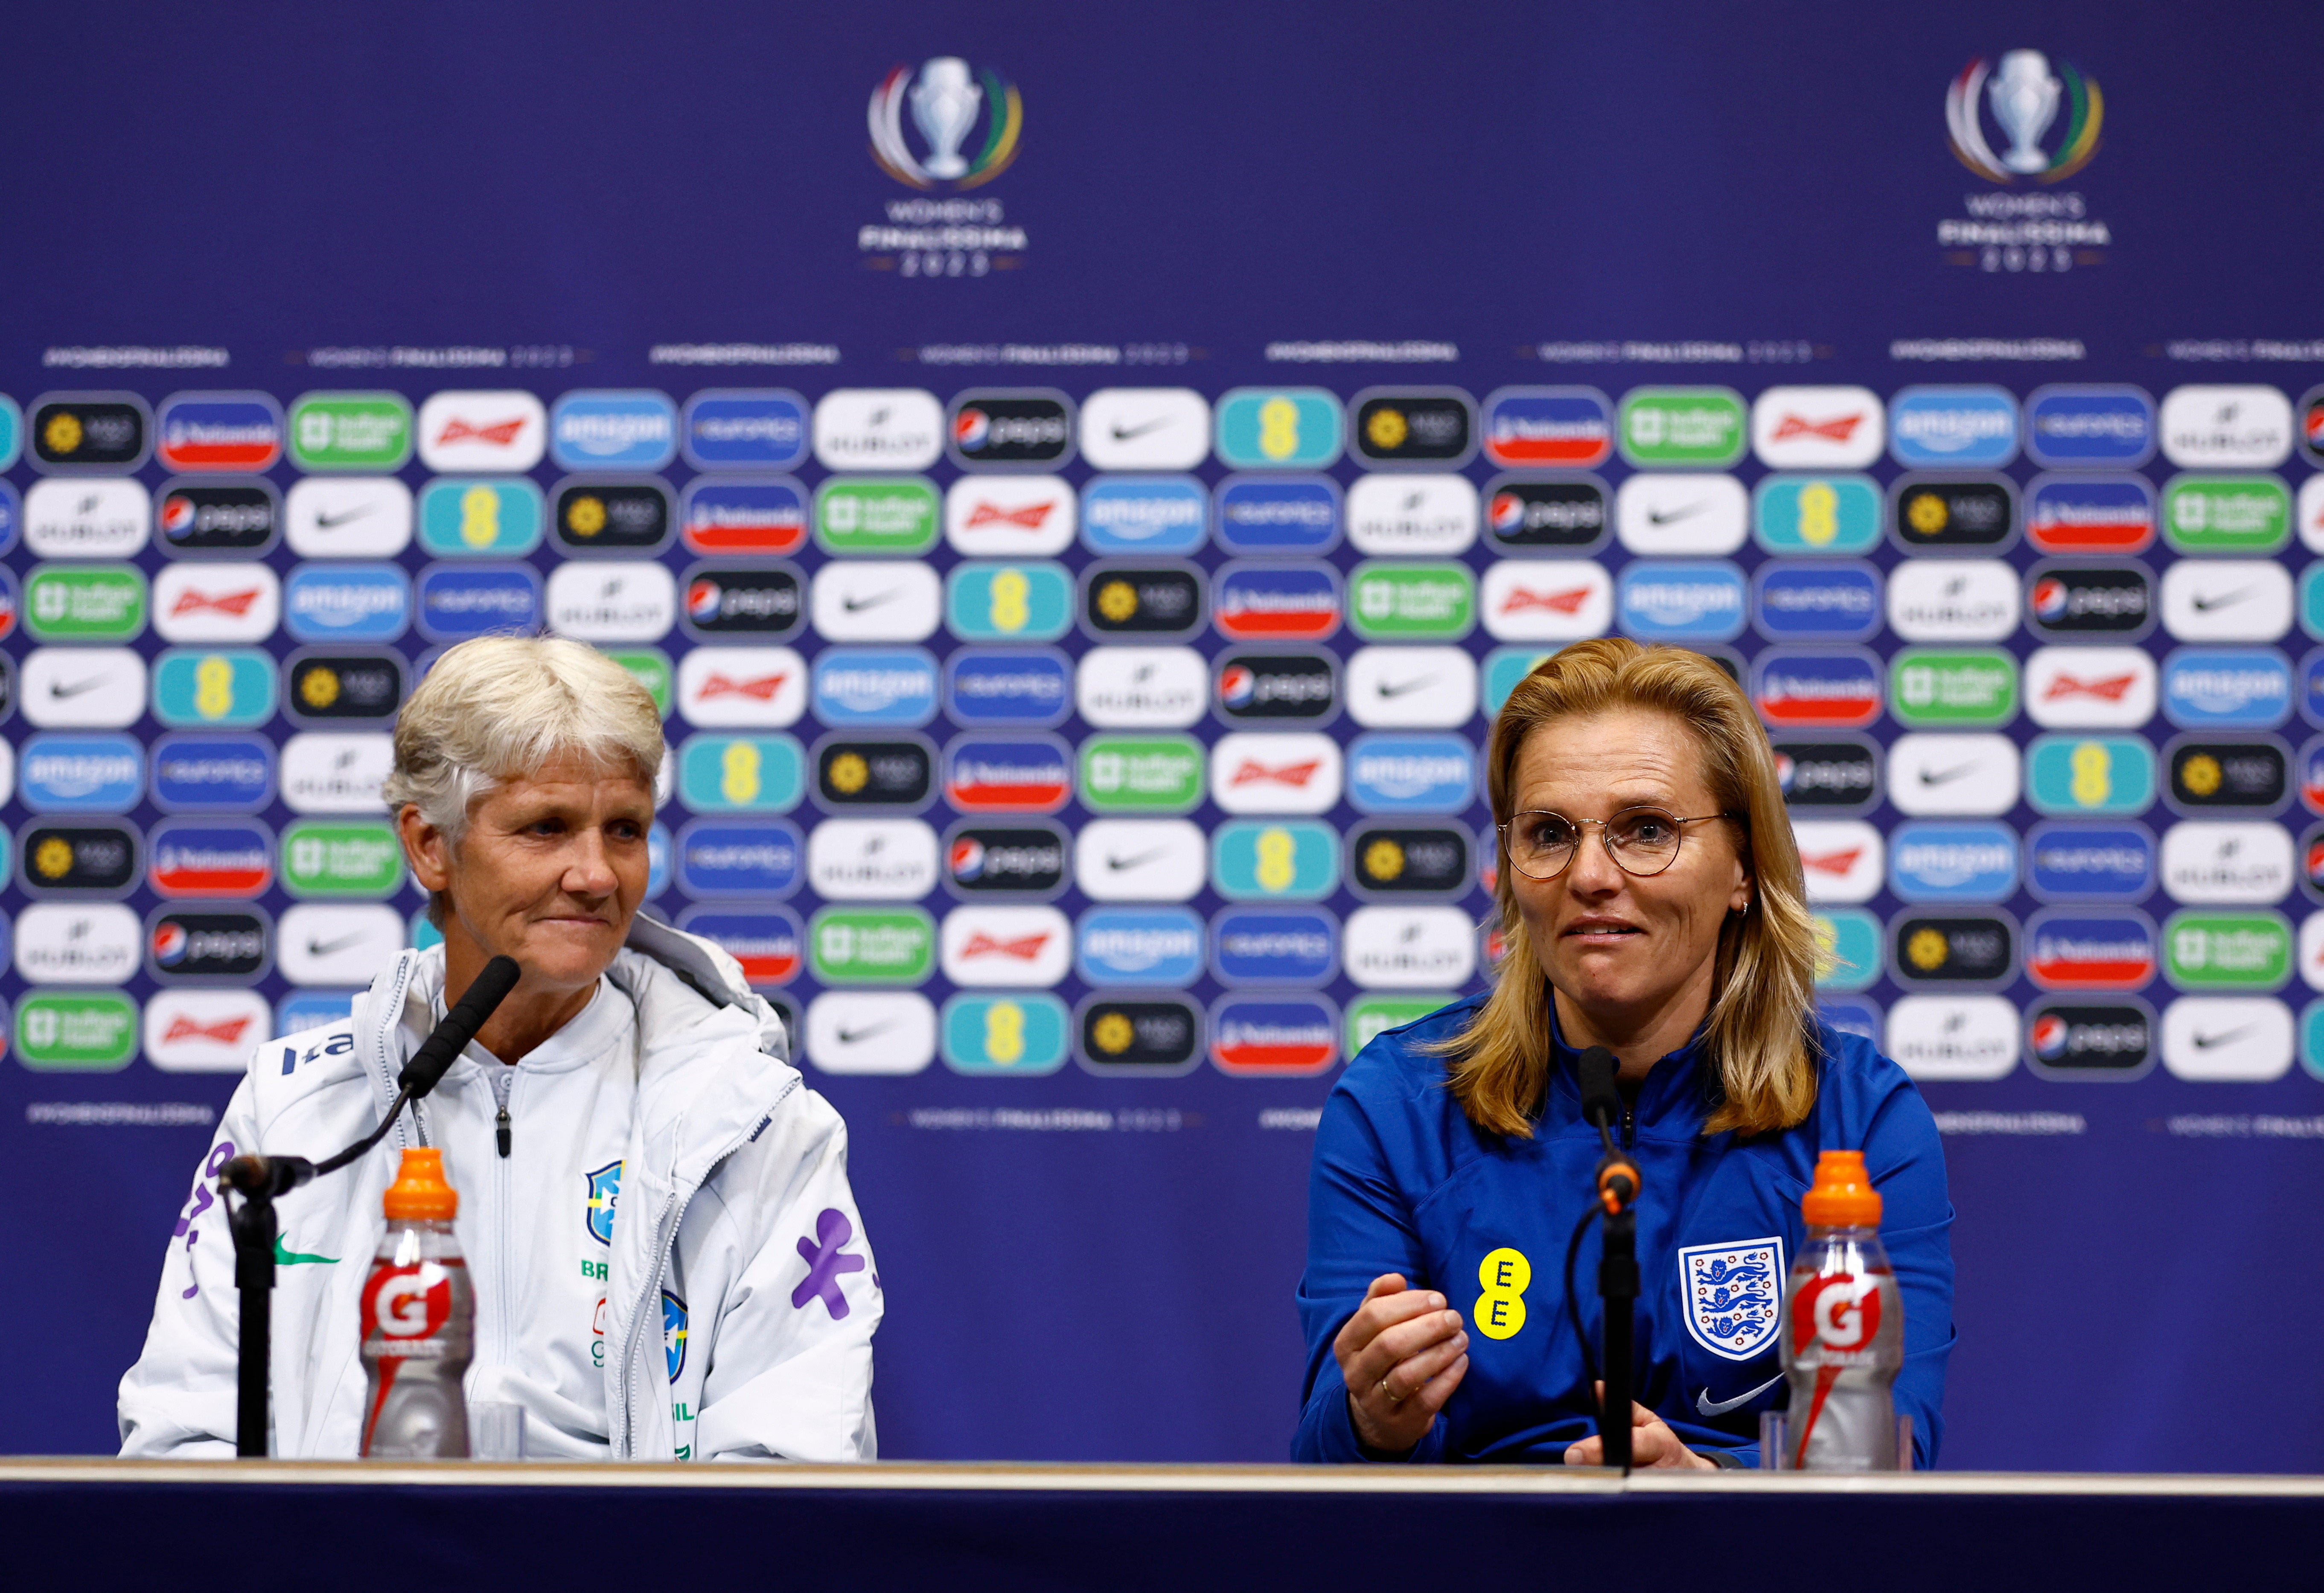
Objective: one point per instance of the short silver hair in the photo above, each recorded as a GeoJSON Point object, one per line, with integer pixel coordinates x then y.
{"type": "Point", "coordinates": [502, 707]}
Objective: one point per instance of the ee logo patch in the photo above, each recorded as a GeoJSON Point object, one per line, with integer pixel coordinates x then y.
{"type": "Point", "coordinates": [1501, 1309]}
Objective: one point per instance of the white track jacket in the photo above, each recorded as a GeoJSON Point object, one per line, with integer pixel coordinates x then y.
{"type": "Point", "coordinates": [734, 1298]}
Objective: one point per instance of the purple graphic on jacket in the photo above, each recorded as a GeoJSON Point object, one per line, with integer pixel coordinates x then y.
{"type": "Point", "coordinates": [826, 1263]}
{"type": "Point", "coordinates": [196, 1203]}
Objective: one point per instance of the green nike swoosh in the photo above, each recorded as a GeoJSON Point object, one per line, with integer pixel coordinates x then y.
{"type": "Point", "coordinates": [284, 1257]}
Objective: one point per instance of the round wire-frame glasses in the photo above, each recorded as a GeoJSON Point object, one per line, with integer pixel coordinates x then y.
{"type": "Point", "coordinates": [1643, 842]}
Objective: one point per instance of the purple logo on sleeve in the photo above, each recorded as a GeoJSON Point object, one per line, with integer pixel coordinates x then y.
{"type": "Point", "coordinates": [827, 1263]}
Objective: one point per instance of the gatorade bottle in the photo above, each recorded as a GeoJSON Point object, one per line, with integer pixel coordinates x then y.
{"type": "Point", "coordinates": [1843, 1327]}
{"type": "Point", "coordinates": [419, 1321]}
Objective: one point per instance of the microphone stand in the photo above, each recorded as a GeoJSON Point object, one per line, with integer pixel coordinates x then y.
{"type": "Point", "coordinates": [1618, 1183]}
{"type": "Point", "coordinates": [260, 1181]}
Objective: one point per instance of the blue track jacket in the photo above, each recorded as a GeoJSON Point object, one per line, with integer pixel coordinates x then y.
{"type": "Point", "coordinates": [1404, 1183]}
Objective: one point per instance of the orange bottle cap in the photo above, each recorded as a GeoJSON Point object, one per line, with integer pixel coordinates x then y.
{"type": "Point", "coordinates": [1843, 1195]}
{"type": "Point", "coordinates": [419, 1192]}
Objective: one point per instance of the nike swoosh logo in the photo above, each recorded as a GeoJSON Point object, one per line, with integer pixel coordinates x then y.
{"type": "Point", "coordinates": [1122, 434]}
{"type": "Point", "coordinates": [2205, 1042]}
{"type": "Point", "coordinates": [1142, 859]}
{"type": "Point", "coordinates": [1710, 1407]}
{"type": "Point", "coordinates": [327, 522]}
{"type": "Point", "coordinates": [284, 1257]}
{"type": "Point", "coordinates": [2204, 605]}
{"type": "Point", "coordinates": [856, 606]}
{"type": "Point", "coordinates": [1662, 516]}
{"type": "Point", "coordinates": [59, 690]}
{"type": "Point", "coordinates": [851, 1036]}
{"type": "Point", "coordinates": [1386, 690]}
{"type": "Point", "coordinates": [1938, 776]}
{"type": "Point", "coordinates": [323, 948]}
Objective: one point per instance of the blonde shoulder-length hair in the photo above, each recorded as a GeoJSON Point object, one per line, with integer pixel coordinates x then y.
{"type": "Point", "coordinates": [1759, 1035]}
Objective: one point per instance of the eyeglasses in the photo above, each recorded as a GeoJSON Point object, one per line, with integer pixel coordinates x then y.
{"type": "Point", "coordinates": [1642, 841]}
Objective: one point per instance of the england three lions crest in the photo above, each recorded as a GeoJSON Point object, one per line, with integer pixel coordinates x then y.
{"type": "Point", "coordinates": [1734, 1294]}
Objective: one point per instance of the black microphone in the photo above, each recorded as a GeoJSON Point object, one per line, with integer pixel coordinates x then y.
{"type": "Point", "coordinates": [437, 1053]}
{"type": "Point", "coordinates": [1601, 1100]}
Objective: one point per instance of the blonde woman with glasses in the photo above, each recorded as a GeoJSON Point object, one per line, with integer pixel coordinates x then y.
{"type": "Point", "coordinates": [1651, 903]}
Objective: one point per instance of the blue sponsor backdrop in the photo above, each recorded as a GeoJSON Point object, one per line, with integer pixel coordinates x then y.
{"type": "Point", "coordinates": [1562, 208]}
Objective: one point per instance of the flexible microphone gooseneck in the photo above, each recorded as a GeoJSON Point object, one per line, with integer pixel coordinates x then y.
{"type": "Point", "coordinates": [1617, 1183]}
{"type": "Point", "coordinates": [260, 1180]}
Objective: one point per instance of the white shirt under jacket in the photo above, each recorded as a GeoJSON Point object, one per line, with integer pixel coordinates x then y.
{"type": "Point", "coordinates": [724, 1308]}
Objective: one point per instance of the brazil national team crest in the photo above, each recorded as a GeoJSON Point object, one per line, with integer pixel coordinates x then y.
{"type": "Point", "coordinates": [1734, 1294]}
{"type": "Point", "coordinates": [673, 1330]}
{"type": "Point", "coordinates": [605, 1188]}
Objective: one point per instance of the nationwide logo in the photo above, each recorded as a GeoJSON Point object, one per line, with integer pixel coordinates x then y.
{"type": "Point", "coordinates": [1682, 514]}
{"type": "Point", "coordinates": [1145, 428]}
{"type": "Point", "coordinates": [326, 772]}
{"type": "Point", "coordinates": [1953, 599]}
{"type": "Point", "coordinates": [2227, 688]}
{"type": "Point", "coordinates": [1025, 860]}
{"type": "Point", "coordinates": [611, 602]}
{"type": "Point", "coordinates": [1412, 514]}
{"type": "Point", "coordinates": [2086, 427]}
{"type": "Point", "coordinates": [1966, 862]}
{"type": "Point", "coordinates": [1945, 1038]}
{"type": "Point", "coordinates": [1797, 689]}
{"type": "Point", "coordinates": [2226, 514]}
{"type": "Point", "coordinates": [1841, 859]}
{"type": "Point", "coordinates": [332, 687]}
{"type": "Point", "coordinates": [1136, 946]}
{"type": "Point", "coordinates": [767, 943]}
{"type": "Point", "coordinates": [217, 603]}
{"type": "Point", "coordinates": [1003, 428]}
{"type": "Point", "coordinates": [456, 603]}
{"type": "Point", "coordinates": [1568, 516]}
{"type": "Point", "coordinates": [738, 857]}
{"type": "Point", "coordinates": [1139, 860]}
{"type": "Point", "coordinates": [1817, 427]}
{"type": "Point", "coordinates": [1952, 774]}
{"type": "Point", "coordinates": [1548, 428]}
{"type": "Point", "coordinates": [1123, 601]}
{"type": "Point", "coordinates": [2070, 602]}
{"type": "Point", "coordinates": [1287, 859]}
{"type": "Point", "coordinates": [86, 859]}
{"type": "Point", "coordinates": [1819, 601]}
{"type": "Point", "coordinates": [1008, 774]}
{"type": "Point", "coordinates": [1274, 1035]}
{"type": "Point", "coordinates": [1412, 687]}
{"type": "Point", "coordinates": [1816, 514]}
{"type": "Point", "coordinates": [1156, 1038]}
{"type": "Point", "coordinates": [969, 121]}
{"type": "Point", "coordinates": [740, 774]}
{"type": "Point", "coordinates": [2227, 428]}
{"type": "Point", "coordinates": [2231, 863]}
{"type": "Point", "coordinates": [1965, 950]}
{"type": "Point", "coordinates": [741, 600]}
{"type": "Point", "coordinates": [1141, 687]}
{"type": "Point", "coordinates": [81, 773]}
{"type": "Point", "coordinates": [1818, 775]}
{"type": "Point", "coordinates": [742, 688]}
{"type": "Point", "coordinates": [195, 517]}
{"type": "Point", "coordinates": [2092, 951]}
{"type": "Point", "coordinates": [743, 428]}
{"type": "Point", "coordinates": [1277, 603]}
{"type": "Point", "coordinates": [211, 857]}
{"type": "Point", "coordinates": [1397, 862]}
{"type": "Point", "coordinates": [2091, 687]}
{"type": "Point", "coordinates": [2089, 862]}
{"type": "Point", "coordinates": [981, 602]}
{"type": "Point", "coordinates": [878, 428]}
{"type": "Point", "coordinates": [891, 1033]}
{"type": "Point", "coordinates": [1278, 428]}
{"type": "Point", "coordinates": [1959, 427]}
{"type": "Point", "coordinates": [213, 773]}
{"type": "Point", "coordinates": [479, 517]}
{"type": "Point", "coordinates": [742, 516]}
{"type": "Point", "coordinates": [1286, 772]}
{"type": "Point", "coordinates": [76, 432]}
{"type": "Point", "coordinates": [59, 943]}
{"type": "Point", "coordinates": [1416, 774]}
{"type": "Point", "coordinates": [482, 431]}
{"type": "Point", "coordinates": [1006, 948]}
{"type": "Point", "coordinates": [612, 517]}
{"type": "Point", "coordinates": [185, 947]}
{"type": "Point", "coordinates": [239, 431]}
{"type": "Point", "coordinates": [1162, 514]}
{"type": "Point", "coordinates": [2090, 1040]}
{"type": "Point", "coordinates": [1949, 513]}
{"type": "Point", "coordinates": [598, 430]}
{"type": "Point", "coordinates": [1007, 687]}
{"type": "Point", "coordinates": [1009, 516]}
{"type": "Point", "coordinates": [2249, 775]}
{"type": "Point", "coordinates": [874, 687]}
{"type": "Point", "coordinates": [2023, 99]}
{"type": "Point", "coordinates": [1423, 425]}
{"type": "Point", "coordinates": [1279, 514]}
{"type": "Point", "coordinates": [1409, 948]}
{"type": "Point", "coordinates": [872, 860]}
{"type": "Point", "coordinates": [1261, 688]}
{"type": "Point", "coordinates": [1659, 601]}
{"type": "Point", "coordinates": [1275, 946]}
{"type": "Point", "coordinates": [102, 517]}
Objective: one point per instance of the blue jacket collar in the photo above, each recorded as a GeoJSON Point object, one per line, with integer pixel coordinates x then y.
{"type": "Point", "coordinates": [1671, 1096]}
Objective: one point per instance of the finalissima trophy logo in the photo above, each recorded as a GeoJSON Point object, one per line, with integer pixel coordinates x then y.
{"type": "Point", "coordinates": [2025, 99]}
{"type": "Point", "coordinates": [948, 100]}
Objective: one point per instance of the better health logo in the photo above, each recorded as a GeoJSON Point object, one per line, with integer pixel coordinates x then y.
{"type": "Point", "coordinates": [948, 100]}
{"type": "Point", "coordinates": [2023, 99]}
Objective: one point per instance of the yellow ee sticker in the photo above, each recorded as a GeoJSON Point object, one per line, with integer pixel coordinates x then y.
{"type": "Point", "coordinates": [1505, 1275]}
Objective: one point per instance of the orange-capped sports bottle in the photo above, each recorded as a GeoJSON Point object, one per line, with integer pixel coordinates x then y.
{"type": "Point", "coordinates": [419, 1321]}
{"type": "Point", "coordinates": [1843, 1329]}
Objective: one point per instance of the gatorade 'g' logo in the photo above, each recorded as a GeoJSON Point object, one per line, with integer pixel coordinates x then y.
{"type": "Point", "coordinates": [1840, 1312]}
{"type": "Point", "coordinates": [408, 1302]}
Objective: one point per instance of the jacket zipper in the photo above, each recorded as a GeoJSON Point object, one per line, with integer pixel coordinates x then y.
{"type": "Point", "coordinates": [503, 1078]}
{"type": "Point", "coordinates": [1629, 1126]}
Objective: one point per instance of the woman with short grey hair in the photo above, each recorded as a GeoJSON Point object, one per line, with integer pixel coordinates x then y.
{"type": "Point", "coordinates": [667, 1259]}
